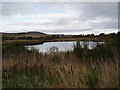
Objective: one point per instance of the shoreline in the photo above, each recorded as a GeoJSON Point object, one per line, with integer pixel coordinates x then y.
{"type": "Point", "coordinates": [36, 42]}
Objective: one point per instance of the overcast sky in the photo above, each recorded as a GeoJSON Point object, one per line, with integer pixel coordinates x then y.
{"type": "Point", "coordinates": [61, 18]}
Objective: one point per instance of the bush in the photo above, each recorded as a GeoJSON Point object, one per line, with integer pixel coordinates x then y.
{"type": "Point", "coordinates": [116, 43]}
{"type": "Point", "coordinates": [13, 50]}
{"type": "Point", "coordinates": [53, 50]}
{"type": "Point", "coordinates": [102, 51]}
{"type": "Point", "coordinates": [78, 50]}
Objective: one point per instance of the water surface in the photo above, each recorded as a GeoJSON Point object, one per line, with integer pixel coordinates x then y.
{"type": "Point", "coordinates": [62, 46]}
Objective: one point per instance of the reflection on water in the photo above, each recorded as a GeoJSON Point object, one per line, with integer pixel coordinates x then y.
{"type": "Point", "coordinates": [62, 46]}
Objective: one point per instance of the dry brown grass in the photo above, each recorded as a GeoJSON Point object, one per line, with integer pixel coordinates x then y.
{"type": "Point", "coordinates": [68, 73]}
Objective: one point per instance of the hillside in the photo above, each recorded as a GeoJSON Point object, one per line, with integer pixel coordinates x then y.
{"type": "Point", "coordinates": [23, 35]}
{"type": "Point", "coordinates": [32, 33]}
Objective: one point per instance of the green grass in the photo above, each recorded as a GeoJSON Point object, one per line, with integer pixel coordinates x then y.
{"type": "Point", "coordinates": [93, 77]}
{"type": "Point", "coordinates": [24, 81]}
{"type": "Point", "coordinates": [76, 39]}
{"type": "Point", "coordinates": [22, 42]}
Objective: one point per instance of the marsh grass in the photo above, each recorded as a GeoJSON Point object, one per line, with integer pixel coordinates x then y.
{"type": "Point", "coordinates": [80, 68]}
{"type": "Point", "coordinates": [22, 42]}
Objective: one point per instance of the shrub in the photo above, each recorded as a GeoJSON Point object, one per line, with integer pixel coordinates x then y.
{"type": "Point", "coordinates": [102, 51]}
{"type": "Point", "coordinates": [78, 50]}
{"type": "Point", "coordinates": [53, 50]}
{"type": "Point", "coordinates": [116, 43]}
{"type": "Point", "coordinates": [13, 50]}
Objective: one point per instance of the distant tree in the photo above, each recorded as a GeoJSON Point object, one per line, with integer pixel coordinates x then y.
{"type": "Point", "coordinates": [118, 34]}
{"type": "Point", "coordinates": [88, 35]}
{"type": "Point", "coordinates": [80, 36]}
{"type": "Point", "coordinates": [92, 35]}
{"type": "Point", "coordinates": [102, 34]}
{"type": "Point", "coordinates": [74, 36]}
{"type": "Point", "coordinates": [21, 37]}
{"type": "Point", "coordinates": [29, 38]}
{"type": "Point", "coordinates": [113, 35]}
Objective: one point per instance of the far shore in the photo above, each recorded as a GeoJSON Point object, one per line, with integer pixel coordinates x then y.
{"type": "Point", "coordinates": [35, 42]}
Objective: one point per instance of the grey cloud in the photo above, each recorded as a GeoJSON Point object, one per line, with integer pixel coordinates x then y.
{"type": "Point", "coordinates": [29, 8]}
{"type": "Point", "coordinates": [89, 10]}
{"type": "Point", "coordinates": [100, 9]}
{"type": "Point", "coordinates": [20, 8]}
{"type": "Point", "coordinates": [65, 30]}
{"type": "Point", "coordinates": [106, 25]}
{"type": "Point", "coordinates": [86, 12]}
{"type": "Point", "coordinates": [62, 21]}
{"type": "Point", "coordinates": [93, 10]}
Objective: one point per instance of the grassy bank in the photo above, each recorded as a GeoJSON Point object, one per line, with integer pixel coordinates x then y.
{"type": "Point", "coordinates": [78, 39]}
{"type": "Point", "coordinates": [41, 41]}
{"type": "Point", "coordinates": [80, 68]}
{"type": "Point", "coordinates": [22, 42]}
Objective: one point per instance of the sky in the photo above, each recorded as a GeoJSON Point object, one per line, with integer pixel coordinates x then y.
{"type": "Point", "coordinates": [60, 17]}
